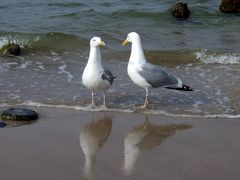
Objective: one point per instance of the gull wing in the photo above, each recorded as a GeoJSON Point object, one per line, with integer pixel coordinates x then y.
{"type": "Point", "coordinates": [107, 75]}
{"type": "Point", "coordinates": [157, 77]}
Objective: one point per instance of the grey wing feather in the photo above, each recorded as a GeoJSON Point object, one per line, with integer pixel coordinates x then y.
{"type": "Point", "coordinates": [107, 75]}
{"type": "Point", "coordinates": [157, 77]}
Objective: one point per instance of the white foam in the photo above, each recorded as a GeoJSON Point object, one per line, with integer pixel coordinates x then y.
{"type": "Point", "coordinates": [16, 39]}
{"type": "Point", "coordinates": [8, 65]}
{"type": "Point", "coordinates": [14, 96]}
{"type": "Point", "coordinates": [197, 104]}
{"type": "Point", "coordinates": [227, 116]}
{"type": "Point", "coordinates": [100, 108]}
{"type": "Point", "coordinates": [225, 58]}
{"type": "Point", "coordinates": [40, 65]}
{"type": "Point", "coordinates": [3, 41]}
{"type": "Point", "coordinates": [78, 108]}
{"type": "Point", "coordinates": [62, 69]}
{"type": "Point", "coordinates": [54, 53]}
{"type": "Point", "coordinates": [25, 65]}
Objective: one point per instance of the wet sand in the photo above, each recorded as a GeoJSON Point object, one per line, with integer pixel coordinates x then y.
{"type": "Point", "coordinates": [66, 144]}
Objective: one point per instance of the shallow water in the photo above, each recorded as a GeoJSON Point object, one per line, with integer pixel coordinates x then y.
{"type": "Point", "coordinates": [55, 79]}
{"type": "Point", "coordinates": [202, 51]}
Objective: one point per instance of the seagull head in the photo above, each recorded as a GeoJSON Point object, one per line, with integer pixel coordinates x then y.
{"type": "Point", "coordinates": [96, 41]}
{"type": "Point", "coordinates": [131, 37]}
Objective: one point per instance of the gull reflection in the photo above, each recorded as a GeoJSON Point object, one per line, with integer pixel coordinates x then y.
{"type": "Point", "coordinates": [145, 137]}
{"type": "Point", "coordinates": [92, 137]}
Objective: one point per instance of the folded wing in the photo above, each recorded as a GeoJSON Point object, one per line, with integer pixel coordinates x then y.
{"type": "Point", "coordinates": [108, 76]}
{"type": "Point", "coordinates": [157, 77]}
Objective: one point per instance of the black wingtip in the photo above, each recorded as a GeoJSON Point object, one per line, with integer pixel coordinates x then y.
{"type": "Point", "coordinates": [186, 88]}
{"type": "Point", "coordinates": [183, 88]}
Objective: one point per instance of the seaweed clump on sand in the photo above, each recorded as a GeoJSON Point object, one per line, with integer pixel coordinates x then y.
{"type": "Point", "coordinates": [230, 6]}
{"type": "Point", "coordinates": [180, 11]}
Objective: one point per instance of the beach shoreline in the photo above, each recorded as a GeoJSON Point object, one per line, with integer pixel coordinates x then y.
{"type": "Point", "coordinates": [134, 146]}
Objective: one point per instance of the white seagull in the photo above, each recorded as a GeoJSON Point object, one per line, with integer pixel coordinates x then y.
{"type": "Point", "coordinates": [148, 75]}
{"type": "Point", "coordinates": [95, 77]}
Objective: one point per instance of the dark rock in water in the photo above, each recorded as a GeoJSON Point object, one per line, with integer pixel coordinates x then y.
{"type": "Point", "coordinates": [11, 49]}
{"type": "Point", "coordinates": [237, 4]}
{"type": "Point", "coordinates": [180, 10]}
{"type": "Point", "coordinates": [2, 124]}
{"type": "Point", "coordinates": [19, 114]}
{"type": "Point", "coordinates": [230, 6]}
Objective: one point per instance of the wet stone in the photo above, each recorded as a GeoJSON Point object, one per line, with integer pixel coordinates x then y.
{"type": "Point", "coordinates": [180, 10]}
{"type": "Point", "coordinates": [230, 6]}
{"type": "Point", "coordinates": [2, 124]}
{"type": "Point", "coordinates": [19, 114]}
{"type": "Point", "coordinates": [11, 49]}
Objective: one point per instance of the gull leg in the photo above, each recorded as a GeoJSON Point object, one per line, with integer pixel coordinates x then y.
{"type": "Point", "coordinates": [146, 103]}
{"type": "Point", "coordinates": [104, 100]}
{"type": "Point", "coordinates": [93, 104]}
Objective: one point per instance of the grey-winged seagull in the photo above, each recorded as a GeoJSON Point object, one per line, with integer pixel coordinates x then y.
{"type": "Point", "coordinates": [95, 77]}
{"type": "Point", "coordinates": [146, 74]}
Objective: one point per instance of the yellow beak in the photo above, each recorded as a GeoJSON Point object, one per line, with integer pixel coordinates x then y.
{"type": "Point", "coordinates": [125, 42]}
{"type": "Point", "coordinates": [101, 43]}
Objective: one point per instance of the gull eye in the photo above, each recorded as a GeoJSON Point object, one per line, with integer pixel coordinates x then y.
{"type": "Point", "coordinates": [94, 40]}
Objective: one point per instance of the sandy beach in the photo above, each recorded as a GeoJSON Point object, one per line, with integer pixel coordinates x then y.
{"type": "Point", "coordinates": [68, 144]}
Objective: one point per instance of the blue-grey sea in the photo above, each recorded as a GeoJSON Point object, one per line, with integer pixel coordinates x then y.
{"type": "Point", "coordinates": [54, 35]}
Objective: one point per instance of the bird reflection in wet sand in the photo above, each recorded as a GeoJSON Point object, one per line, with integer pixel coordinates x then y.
{"type": "Point", "coordinates": [146, 137]}
{"type": "Point", "coordinates": [92, 137]}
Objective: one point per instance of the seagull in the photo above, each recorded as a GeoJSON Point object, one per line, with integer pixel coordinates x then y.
{"type": "Point", "coordinates": [95, 77]}
{"type": "Point", "coordinates": [147, 75]}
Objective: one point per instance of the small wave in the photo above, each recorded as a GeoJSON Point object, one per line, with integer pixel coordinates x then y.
{"type": "Point", "coordinates": [23, 40]}
{"type": "Point", "coordinates": [71, 15]}
{"type": "Point", "coordinates": [67, 5]}
{"type": "Point", "coordinates": [101, 108]}
{"type": "Point", "coordinates": [59, 41]}
{"type": "Point", "coordinates": [132, 13]}
{"type": "Point", "coordinates": [44, 41]}
{"type": "Point", "coordinates": [225, 58]}
{"type": "Point", "coordinates": [106, 4]}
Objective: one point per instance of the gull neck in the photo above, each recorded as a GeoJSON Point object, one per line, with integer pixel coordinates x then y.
{"type": "Point", "coordinates": [94, 55]}
{"type": "Point", "coordinates": [137, 54]}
